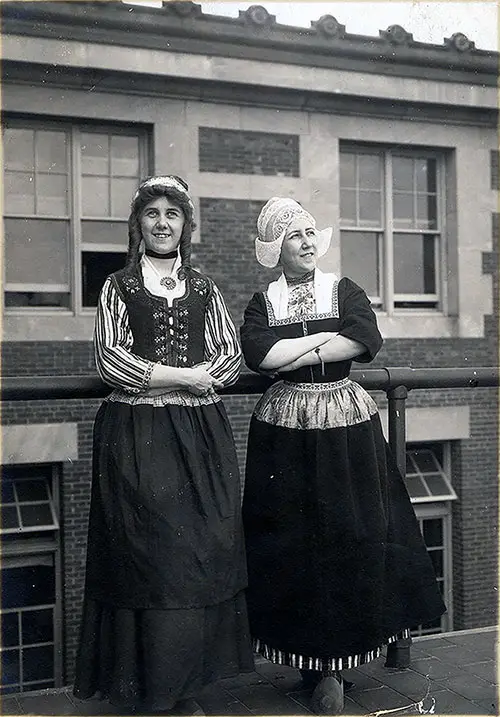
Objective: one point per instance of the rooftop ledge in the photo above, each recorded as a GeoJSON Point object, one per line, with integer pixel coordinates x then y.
{"type": "Point", "coordinates": [182, 26]}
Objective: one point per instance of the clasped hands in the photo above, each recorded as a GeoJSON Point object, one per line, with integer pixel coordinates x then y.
{"type": "Point", "coordinates": [200, 381]}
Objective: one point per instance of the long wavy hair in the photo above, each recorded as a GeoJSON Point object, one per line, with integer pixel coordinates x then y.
{"type": "Point", "coordinates": [147, 194]}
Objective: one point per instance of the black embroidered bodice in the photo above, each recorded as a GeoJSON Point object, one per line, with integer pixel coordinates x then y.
{"type": "Point", "coordinates": [350, 315]}
{"type": "Point", "coordinates": [171, 335]}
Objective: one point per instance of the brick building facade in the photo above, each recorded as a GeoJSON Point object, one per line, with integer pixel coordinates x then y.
{"type": "Point", "coordinates": [384, 138]}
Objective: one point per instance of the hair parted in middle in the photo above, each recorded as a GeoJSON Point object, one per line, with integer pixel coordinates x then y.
{"type": "Point", "coordinates": [176, 190]}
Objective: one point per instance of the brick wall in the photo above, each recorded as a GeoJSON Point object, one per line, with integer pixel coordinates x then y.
{"type": "Point", "coordinates": [47, 358]}
{"type": "Point", "coordinates": [227, 253]}
{"type": "Point", "coordinates": [75, 499]}
{"type": "Point", "coordinates": [237, 152]}
{"type": "Point", "coordinates": [75, 489]}
{"type": "Point", "coordinates": [477, 515]}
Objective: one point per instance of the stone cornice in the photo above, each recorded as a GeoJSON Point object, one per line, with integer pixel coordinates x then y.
{"type": "Point", "coordinates": [230, 92]}
{"type": "Point", "coordinates": [182, 27]}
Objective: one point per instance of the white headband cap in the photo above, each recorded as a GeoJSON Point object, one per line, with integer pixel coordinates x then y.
{"type": "Point", "coordinates": [272, 223]}
{"type": "Point", "coordinates": [165, 181]}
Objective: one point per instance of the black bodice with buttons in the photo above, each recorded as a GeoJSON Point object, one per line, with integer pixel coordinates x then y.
{"type": "Point", "coordinates": [171, 335]}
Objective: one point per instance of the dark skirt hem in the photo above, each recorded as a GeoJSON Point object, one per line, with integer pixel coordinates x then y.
{"type": "Point", "coordinates": [301, 662]}
{"type": "Point", "coordinates": [151, 659]}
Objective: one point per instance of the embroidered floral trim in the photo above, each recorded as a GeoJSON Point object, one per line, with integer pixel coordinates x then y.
{"type": "Point", "coordinates": [301, 301]}
{"type": "Point", "coordinates": [131, 284]}
{"type": "Point", "coordinates": [199, 285]}
{"type": "Point", "coordinates": [333, 314]}
{"type": "Point", "coordinates": [172, 398]}
{"type": "Point", "coordinates": [320, 406]}
{"type": "Point", "coordinates": [316, 387]}
{"type": "Point", "coordinates": [147, 375]}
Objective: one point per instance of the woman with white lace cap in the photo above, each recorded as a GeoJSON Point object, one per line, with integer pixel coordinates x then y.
{"type": "Point", "coordinates": [337, 565]}
{"type": "Point", "coordinates": [164, 608]}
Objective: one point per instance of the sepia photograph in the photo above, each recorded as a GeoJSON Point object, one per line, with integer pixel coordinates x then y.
{"type": "Point", "coordinates": [250, 361]}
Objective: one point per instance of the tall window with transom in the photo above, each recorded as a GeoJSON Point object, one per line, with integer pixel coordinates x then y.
{"type": "Point", "coordinates": [67, 193]}
{"type": "Point", "coordinates": [392, 225]}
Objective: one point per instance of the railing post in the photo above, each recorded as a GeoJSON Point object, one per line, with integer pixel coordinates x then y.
{"type": "Point", "coordinates": [398, 653]}
{"type": "Point", "coordinates": [397, 425]}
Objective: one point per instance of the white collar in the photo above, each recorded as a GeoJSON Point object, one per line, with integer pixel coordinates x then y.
{"type": "Point", "coordinates": [277, 293]}
{"type": "Point", "coordinates": [151, 268]}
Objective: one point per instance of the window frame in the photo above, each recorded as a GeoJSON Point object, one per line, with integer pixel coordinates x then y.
{"type": "Point", "coordinates": [27, 549]}
{"type": "Point", "coordinates": [75, 215]}
{"type": "Point", "coordinates": [17, 504]}
{"type": "Point", "coordinates": [440, 469]}
{"type": "Point", "coordinates": [385, 302]}
{"type": "Point", "coordinates": [442, 510]}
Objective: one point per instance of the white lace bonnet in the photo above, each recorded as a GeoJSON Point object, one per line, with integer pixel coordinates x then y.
{"type": "Point", "coordinates": [272, 223]}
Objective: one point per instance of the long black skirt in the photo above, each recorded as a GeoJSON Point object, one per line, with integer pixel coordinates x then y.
{"type": "Point", "coordinates": [337, 565]}
{"type": "Point", "coordinates": [164, 609]}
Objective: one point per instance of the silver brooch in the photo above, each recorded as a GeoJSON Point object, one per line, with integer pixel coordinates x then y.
{"type": "Point", "coordinates": [168, 282]}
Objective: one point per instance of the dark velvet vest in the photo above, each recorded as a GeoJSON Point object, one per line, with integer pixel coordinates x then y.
{"type": "Point", "coordinates": [171, 335]}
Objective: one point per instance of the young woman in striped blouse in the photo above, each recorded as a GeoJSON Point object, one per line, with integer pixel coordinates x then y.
{"type": "Point", "coordinates": [164, 610]}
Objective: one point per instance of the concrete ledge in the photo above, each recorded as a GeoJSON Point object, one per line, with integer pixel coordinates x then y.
{"type": "Point", "coordinates": [39, 443]}
{"type": "Point", "coordinates": [440, 423]}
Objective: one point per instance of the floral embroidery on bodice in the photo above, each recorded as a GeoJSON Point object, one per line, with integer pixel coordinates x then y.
{"type": "Point", "coordinates": [301, 301]}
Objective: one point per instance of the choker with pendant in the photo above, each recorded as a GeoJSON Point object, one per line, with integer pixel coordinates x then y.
{"type": "Point", "coordinates": [304, 279]}
{"type": "Point", "coordinates": [156, 255]}
{"type": "Point", "coordinates": [167, 281]}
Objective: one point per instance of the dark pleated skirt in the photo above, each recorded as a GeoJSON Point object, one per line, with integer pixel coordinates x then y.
{"type": "Point", "coordinates": [164, 610]}
{"type": "Point", "coordinates": [337, 565]}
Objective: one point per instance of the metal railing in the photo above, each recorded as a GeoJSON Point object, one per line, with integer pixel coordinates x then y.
{"type": "Point", "coordinates": [396, 382]}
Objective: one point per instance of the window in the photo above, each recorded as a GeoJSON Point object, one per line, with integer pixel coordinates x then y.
{"type": "Point", "coordinates": [31, 640]}
{"type": "Point", "coordinates": [27, 505]}
{"type": "Point", "coordinates": [431, 492]}
{"type": "Point", "coordinates": [426, 479]}
{"type": "Point", "coordinates": [66, 204]}
{"type": "Point", "coordinates": [391, 206]}
{"type": "Point", "coordinates": [28, 622]}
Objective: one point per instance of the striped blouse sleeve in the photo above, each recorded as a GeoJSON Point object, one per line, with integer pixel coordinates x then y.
{"type": "Point", "coordinates": [222, 349]}
{"type": "Point", "coordinates": [115, 362]}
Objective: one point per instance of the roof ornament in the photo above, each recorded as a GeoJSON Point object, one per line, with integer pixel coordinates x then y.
{"type": "Point", "coordinates": [183, 8]}
{"type": "Point", "coordinates": [460, 42]}
{"type": "Point", "coordinates": [329, 26]}
{"type": "Point", "coordinates": [396, 35]}
{"type": "Point", "coordinates": [259, 16]}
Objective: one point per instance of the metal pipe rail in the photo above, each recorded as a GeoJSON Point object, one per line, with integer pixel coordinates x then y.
{"type": "Point", "coordinates": [396, 382]}
{"type": "Point", "coordinates": [32, 388]}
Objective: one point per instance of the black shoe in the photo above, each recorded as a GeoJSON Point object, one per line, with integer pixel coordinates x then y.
{"type": "Point", "coordinates": [328, 696]}
{"type": "Point", "coordinates": [311, 678]}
